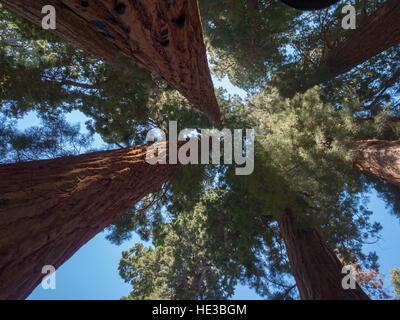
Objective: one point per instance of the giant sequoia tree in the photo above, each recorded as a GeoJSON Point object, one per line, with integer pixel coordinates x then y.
{"type": "Point", "coordinates": [316, 268]}
{"type": "Point", "coordinates": [164, 37]}
{"type": "Point", "coordinates": [50, 77]}
{"type": "Point", "coordinates": [377, 33]}
{"type": "Point", "coordinates": [258, 42]}
{"type": "Point", "coordinates": [50, 208]}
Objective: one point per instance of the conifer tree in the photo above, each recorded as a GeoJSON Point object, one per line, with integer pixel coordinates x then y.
{"type": "Point", "coordinates": [164, 37]}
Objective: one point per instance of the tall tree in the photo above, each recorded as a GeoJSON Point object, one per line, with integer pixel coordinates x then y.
{"type": "Point", "coordinates": [164, 37]}
{"type": "Point", "coordinates": [50, 208]}
{"type": "Point", "coordinates": [316, 268]}
{"type": "Point", "coordinates": [49, 77]}
{"type": "Point", "coordinates": [378, 32]}
{"type": "Point", "coordinates": [259, 42]}
{"type": "Point", "coordinates": [323, 52]}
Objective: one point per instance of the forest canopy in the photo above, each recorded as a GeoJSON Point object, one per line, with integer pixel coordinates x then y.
{"type": "Point", "coordinates": [208, 228]}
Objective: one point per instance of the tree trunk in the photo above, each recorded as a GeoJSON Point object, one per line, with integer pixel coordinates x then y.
{"type": "Point", "coordinates": [164, 36]}
{"type": "Point", "coordinates": [316, 268]}
{"type": "Point", "coordinates": [377, 33]}
{"type": "Point", "coordinates": [380, 159]}
{"type": "Point", "coordinates": [51, 208]}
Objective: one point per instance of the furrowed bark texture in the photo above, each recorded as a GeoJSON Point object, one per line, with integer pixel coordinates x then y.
{"type": "Point", "coordinates": [51, 208]}
{"type": "Point", "coordinates": [164, 36]}
{"type": "Point", "coordinates": [315, 266]}
{"type": "Point", "coordinates": [380, 159]}
{"type": "Point", "coordinates": [377, 33]}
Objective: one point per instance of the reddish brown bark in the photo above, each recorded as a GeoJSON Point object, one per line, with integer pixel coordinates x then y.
{"type": "Point", "coordinates": [380, 159]}
{"type": "Point", "coordinates": [164, 36]}
{"type": "Point", "coordinates": [51, 208]}
{"type": "Point", "coordinates": [377, 33]}
{"type": "Point", "coordinates": [316, 268]}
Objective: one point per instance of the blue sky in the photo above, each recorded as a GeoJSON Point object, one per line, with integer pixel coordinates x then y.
{"type": "Point", "coordinates": [92, 273]}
